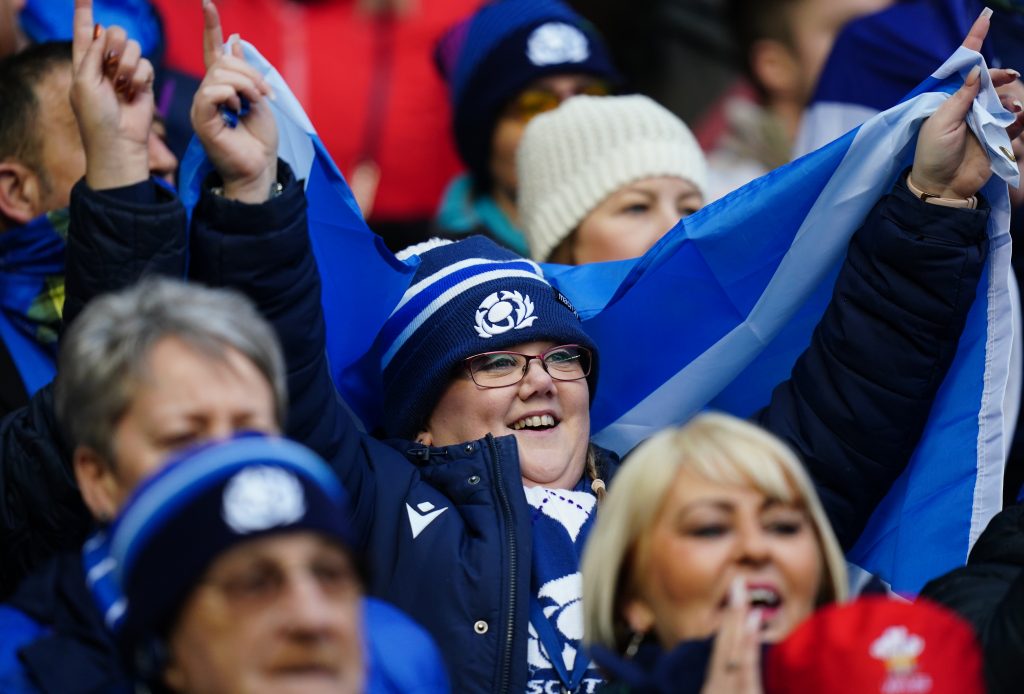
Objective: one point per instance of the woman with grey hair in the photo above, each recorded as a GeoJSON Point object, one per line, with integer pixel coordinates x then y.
{"type": "Point", "coordinates": [712, 542]}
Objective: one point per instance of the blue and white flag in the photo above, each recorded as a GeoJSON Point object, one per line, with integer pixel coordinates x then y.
{"type": "Point", "coordinates": [716, 314]}
{"type": "Point", "coordinates": [873, 63]}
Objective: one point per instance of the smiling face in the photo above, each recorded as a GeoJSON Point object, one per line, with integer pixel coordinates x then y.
{"type": "Point", "coordinates": [633, 218]}
{"type": "Point", "coordinates": [705, 535]}
{"type": "Point", "coordinates": [276, 614]}
{"type": "Point", "coordinates": [550, 456]}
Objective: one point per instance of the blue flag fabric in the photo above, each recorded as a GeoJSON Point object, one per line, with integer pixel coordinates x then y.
{"type": "Point", "coordinates": [716, 314]}
{"type": "Point", "coordinates": [873, 63]}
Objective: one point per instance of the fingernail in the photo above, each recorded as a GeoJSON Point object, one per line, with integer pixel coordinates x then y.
{"type": "Point", "coordinates": [737, 592]}
{"type": "Point", "coordinates": [973, 75]}
{"type": "Point", "coordinates": [753, 623]}
{"type": "Point", "coordinates": [120, 82]}
{"type": "Point", "coordinates": [110, 59]}
{"type": "Point", "coordinates": [234, 38]}
{"type": "Point", "coordinates": [987, 12]}
{"type": "Point", "coordinates": [1013, 72]}
{"type": "Point", "coordinates": [1017, 105]}
{"type": "Point", "coordinates": [96, 31]}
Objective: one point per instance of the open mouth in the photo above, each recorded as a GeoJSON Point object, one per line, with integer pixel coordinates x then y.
{"type": "Point", "coordinates": [535, 423]}
{"type": "Point", "coordinates": [765, 598]}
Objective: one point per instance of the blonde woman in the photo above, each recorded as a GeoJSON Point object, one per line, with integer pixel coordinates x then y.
{"type": "Point", "coordinates": [711, 542]}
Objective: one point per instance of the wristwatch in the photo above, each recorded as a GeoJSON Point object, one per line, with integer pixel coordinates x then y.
{"type": "Point", "coordinates": [276, 188]}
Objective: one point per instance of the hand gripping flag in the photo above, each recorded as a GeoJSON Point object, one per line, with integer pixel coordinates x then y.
{"type": "Point", "coordinates": [873, 63]}
{"type": "Point", "coordinates": [716, 314]}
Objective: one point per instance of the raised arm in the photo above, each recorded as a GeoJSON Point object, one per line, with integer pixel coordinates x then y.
{"type": "Point", "coordinates": [122, 225]}
{"type": "Point", "coordinates": [256, 240]}
{"type": "Point", "coordinates": [859, 397]}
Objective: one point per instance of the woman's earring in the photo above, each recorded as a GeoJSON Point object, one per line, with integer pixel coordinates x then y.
{"type": "Point", "coordinates": [634, 643]}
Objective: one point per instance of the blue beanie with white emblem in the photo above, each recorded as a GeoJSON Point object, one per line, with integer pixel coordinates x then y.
{"type": "Point", "coordinates": [466, 298]}
{"type": "Point", "coordinates": [200, 504]}
{"type": "Point", "coordinates": [488, 58]}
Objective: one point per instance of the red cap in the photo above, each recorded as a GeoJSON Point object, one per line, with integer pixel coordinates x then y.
{"type": "Point", "coordinates": [876, 644]}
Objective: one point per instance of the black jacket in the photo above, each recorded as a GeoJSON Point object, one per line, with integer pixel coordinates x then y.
{"type": "Point", "coordinates": [989, 593]}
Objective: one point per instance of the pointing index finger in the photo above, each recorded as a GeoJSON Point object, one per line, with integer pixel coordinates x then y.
{"type": "Point", "coordinates": [979, 30]}
{"type": "Point", "coordinates": [213, 37]}
{"type": "Point", "coordinates": [82, 33]}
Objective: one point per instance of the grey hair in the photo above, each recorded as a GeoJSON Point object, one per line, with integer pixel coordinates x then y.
{"type": "Point", "coordinates": [107, 348]}
{"type": "Point", "coordinates": [716, 447]}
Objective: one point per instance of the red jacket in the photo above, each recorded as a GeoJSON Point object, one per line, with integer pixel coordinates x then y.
{"type": "Point", "coordinates": [367, 82]}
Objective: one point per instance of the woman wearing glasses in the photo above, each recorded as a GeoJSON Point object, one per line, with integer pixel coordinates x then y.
{"type": "Point", "coordinates": [505, 64]}
{"type": "Point", "coordinates": [473, 515]}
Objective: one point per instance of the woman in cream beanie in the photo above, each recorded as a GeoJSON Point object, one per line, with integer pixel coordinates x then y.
{"type": "Point", "coordinates": [605, 177]}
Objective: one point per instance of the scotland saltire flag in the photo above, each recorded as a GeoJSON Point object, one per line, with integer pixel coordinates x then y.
{"type": "Point", "coordinates": [716, 314]}
{"type": "Point", "coordinates": [948, 495]}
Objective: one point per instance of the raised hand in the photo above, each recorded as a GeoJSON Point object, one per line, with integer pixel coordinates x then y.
{"type": "Point", "coordinates": [735, 666]}
{"type": "Point", "coordinates": [112, 97]}
{"type": "Point", "coordinates": [949, 161]}
{"type": "Point", "coordinates": [243, 150]}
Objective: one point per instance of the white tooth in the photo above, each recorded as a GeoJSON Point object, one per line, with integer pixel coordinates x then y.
{"type": "Point", "coordinates": [533, 421]}
{"type": "Point", "coordinates": [548, 420]}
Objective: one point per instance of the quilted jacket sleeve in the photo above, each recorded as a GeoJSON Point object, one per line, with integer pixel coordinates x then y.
{"type": "Point", "coordinates": [113, 239]}
{"type": "Point", "coordinates": [858, 398]}
{"type": "Point", "coordinates": [116, 238]}
{"type": "Point", "coordinates": [264, 251]}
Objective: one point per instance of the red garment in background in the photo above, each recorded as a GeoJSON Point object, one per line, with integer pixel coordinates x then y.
{"type": "Point", "coordinates": [368, 83]}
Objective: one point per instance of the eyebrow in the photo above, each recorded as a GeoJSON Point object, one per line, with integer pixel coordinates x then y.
{"type": "Point", "coordinates": [729, 507]}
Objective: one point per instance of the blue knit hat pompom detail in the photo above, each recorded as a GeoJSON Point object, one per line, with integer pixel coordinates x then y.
{"type": "Point", "coordinates": [466, 297]}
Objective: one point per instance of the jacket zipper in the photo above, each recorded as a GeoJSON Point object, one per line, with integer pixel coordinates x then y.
{"type": "Point", "coordinates": [513, 560]}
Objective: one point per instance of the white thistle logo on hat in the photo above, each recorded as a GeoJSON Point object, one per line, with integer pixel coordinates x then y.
{"type": "Point", "coordinates": [258, 498]}
{"type": "Point", "coordinates": [503, 311]}
{"type": "Point", "coordinates": [555, 43]}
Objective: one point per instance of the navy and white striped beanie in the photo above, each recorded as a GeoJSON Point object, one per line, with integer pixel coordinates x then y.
{"type": "Point", "coordinates": [467, 297]}
{"type": "Point", "coordinates": [203, 502]}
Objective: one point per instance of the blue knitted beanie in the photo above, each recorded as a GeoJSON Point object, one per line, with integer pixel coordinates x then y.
{"type": "Point", "coordinates": [467, 297]}
{"type": "Point", "coordinates": [493, 55]}
{"type": "Point", "coordinates": [203, 502]}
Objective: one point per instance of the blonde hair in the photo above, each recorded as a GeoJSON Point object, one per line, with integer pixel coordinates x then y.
{"type": "Point", "coordinates": [721, 449]}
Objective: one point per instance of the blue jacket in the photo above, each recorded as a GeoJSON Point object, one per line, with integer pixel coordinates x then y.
{"type": "Point", "coordinates": [853, 410]}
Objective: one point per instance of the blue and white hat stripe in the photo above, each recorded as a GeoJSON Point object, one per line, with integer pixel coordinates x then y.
{"type": "Point", "coordinates": [415, 313]}
{"type": "Point", "coordinates": [424, 284]}
{"type": "Point", "coordinates": [161, 499]}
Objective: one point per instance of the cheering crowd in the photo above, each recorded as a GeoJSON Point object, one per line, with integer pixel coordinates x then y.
{"type": "Point", "coordinates": [189, 504]}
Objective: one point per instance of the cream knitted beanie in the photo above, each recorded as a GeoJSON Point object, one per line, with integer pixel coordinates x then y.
{"type": "Point", "coordinates": [572, 158]}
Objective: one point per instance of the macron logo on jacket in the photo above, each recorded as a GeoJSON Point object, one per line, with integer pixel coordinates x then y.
{"type": "Point", "coordinates": [423, 515]}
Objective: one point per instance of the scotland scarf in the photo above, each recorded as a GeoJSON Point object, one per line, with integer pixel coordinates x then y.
{"type": "Point", "coordinates": [561, 522]}
{"type": "Point", "coordinates": [32, 295]}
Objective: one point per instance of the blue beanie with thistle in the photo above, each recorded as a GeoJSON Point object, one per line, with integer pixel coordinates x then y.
{"type": "Point", "coordinates": [488, 58]}
{"type": "Point", "coordinates": [467, 297]}
{"type": "Point", "coordinates": [202, 502]}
